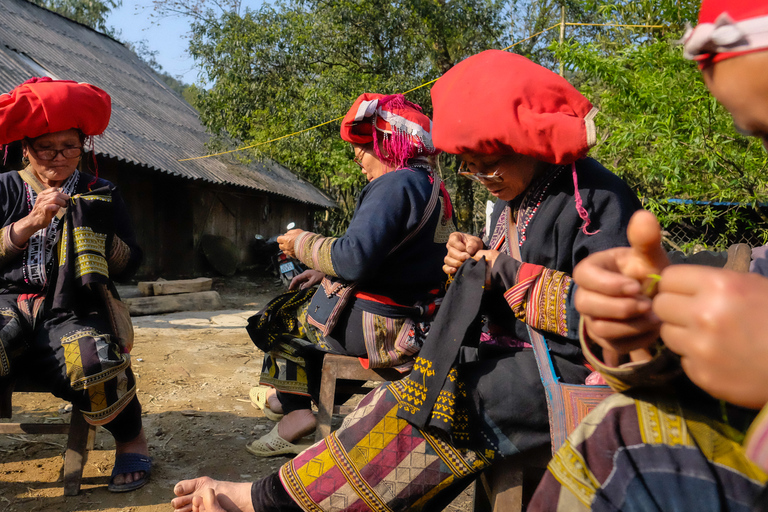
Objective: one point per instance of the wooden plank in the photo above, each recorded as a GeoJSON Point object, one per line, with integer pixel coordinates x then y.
{"type": "Point", "coordinates": [163, 287]}
{"type": "Point", "coordinates": [201, 284]}
{"type": "Point", "coordinates": [146, 288]}
{"type": "Point", "coordinates": [34, 428]}
{"type": "Point", "coordinates": [198, 301]}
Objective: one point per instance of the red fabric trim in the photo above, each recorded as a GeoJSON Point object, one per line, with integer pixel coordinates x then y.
{"type": "Point", "coordinates": [381, 299]}
{"type": "Point", "coordinates": [527, 271]}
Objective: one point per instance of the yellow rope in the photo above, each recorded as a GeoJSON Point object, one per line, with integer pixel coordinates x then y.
{"type": "Point", "coordinates": [567, 24]}
{"type": "Point", "coordinates": [530, 37]}
{"type": "Point", "coordinates": [416, 88]}
{"type": "Point", "coordinates": [262, 143]}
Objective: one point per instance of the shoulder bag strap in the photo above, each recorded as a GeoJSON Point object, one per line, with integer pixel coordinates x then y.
{"type": "Point", "coordinates": [433, 200]}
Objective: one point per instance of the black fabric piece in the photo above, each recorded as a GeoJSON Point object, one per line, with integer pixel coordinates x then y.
{"type": "Point", "coordinates": [293, 402]}
{"type": "Point", "coordinates": [83, 213]}
{"type": "Point", "coordinates": [456, 321]}
{"type": "Point", "coordinates": [761, 503]}
{"type": "Point", "coordinates": [127, 425]}
{"type": "Point", "coordinates": [269, 495]}
{"type": "Point", "coordinates": [347, 339]}
{"type": "Point", "coordinates": [13, 207]}
{"type": "Point", "coordinates": [278, 318]}
{"type": "Point", "coordinates": [516, 420]}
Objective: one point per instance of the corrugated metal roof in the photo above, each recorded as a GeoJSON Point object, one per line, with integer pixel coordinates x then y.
{"type": "Point", "coordinates": [151, 124]}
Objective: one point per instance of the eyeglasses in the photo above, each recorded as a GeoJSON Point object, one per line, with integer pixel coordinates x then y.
{"type": "Point", "coordinates": [494, 177]}
{"type": "Point", "coordinates": [51, 154]}
{"type": "Point", "coordinates": [358, 161]}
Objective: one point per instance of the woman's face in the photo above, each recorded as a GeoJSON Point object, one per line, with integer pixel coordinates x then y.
{"type": "Point", "coordinates": [743, 90]}
{"type": "Point", "coordinates": [46, 159]}
{"type": "Point", "coordinates": [513, 173]}
{"type": "Point", "coordinates": [369, 163]}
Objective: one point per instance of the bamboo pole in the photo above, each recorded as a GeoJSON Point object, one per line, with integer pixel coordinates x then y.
{"type": "Point", "coordinates": [562, 36]}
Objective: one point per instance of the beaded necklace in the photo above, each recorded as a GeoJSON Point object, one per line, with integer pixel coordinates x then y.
{"type": "Point", "coordinates": [532, 200]}
{"type": "Point", "coordinates": [529, 205]}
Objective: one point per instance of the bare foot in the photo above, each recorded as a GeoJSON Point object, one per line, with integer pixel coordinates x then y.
{"type": "Point", "coordinates": [296, 424]}
{"type": "Point", "coordinates": [273, 402]}
{"type": "Point", "coordinates": [229, 496]}
{"type": "Point", "coordinates": [136, 445]}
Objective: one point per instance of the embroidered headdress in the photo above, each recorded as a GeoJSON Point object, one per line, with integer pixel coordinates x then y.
{"type": "Point", "coordinates": [727, 28]}
{"type": "Point", "coordinates": [497, 102]}
{"type": "Point", "coordinates": [407, 133]}
{"type": "Point", "coordinates": [41, 105]}
{"type": "Point", "coordinates": [501, 103]}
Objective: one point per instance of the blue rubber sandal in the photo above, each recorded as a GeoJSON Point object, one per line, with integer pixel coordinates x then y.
{"type": "Point", "coordinates": [130, 463]}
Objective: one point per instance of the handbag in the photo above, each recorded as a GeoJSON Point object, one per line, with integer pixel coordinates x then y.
{"type": "Point", "coordinates": [567, 404]}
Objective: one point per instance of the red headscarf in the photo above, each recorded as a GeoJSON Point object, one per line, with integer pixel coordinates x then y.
{"type": "Point", "coordinates": [41, 105]}
{"type": "Point", "coordinates": [407, 131]}
{"type": "Point", "coordinates": [501, 103]}
{"type": "Point", "coordinates": [727, 28]}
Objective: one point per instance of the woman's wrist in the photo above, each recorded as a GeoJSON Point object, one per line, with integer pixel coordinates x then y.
{"type": "Point", "coordinates": [20, 232]}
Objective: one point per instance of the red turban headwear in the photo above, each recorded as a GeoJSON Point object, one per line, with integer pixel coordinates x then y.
{"type": "Point", "coordinates": [727, 28]}
{"type": "Point", "coordinates": [41, 105]}
{"type": "Point", "coordinates": [407, 131]}
{"type": "Point", "coordinates": [501, 103]}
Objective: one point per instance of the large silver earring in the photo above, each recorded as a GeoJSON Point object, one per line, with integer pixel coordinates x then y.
{"type": "Point", "coordinates": [25, 160]}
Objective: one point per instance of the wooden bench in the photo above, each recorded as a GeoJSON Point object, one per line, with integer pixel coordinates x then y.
{"type": "Point", "coordinates": [340, 368]}
{"type": "Point", "coordinates": [80, 434]}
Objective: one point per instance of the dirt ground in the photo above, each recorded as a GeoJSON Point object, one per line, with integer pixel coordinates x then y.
{"type": "Point", "coordinates": [194, 371]}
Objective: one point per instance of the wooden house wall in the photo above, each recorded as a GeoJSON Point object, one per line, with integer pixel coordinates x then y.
{"type": "Point", "coordinates": [171, 214]}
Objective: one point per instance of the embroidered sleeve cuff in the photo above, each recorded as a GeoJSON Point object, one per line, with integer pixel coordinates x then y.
{"type": "Point", "coordinates": [8, 250]}
{"type": "Point", "coordinates": [540, 298]}
{"type": "Point", "coordinates": [662, 368]}
{"type": "Point", "coordinates": [119, 256]}
{"type": "Point", "coordinates": [314, 251]}
{"type": "Point", "coordinates": [756, 443]}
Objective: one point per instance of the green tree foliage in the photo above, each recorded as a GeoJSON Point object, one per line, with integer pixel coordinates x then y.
{"type": "Point", "coordinates": [659, 128]}
{"type": "Point", "coordinates": [295, 64]}
{"type": "Point", "coordinates": [92, 13]}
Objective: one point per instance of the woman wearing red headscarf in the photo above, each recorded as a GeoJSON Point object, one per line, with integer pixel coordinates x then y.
{"type": "Point", "coordinates": [65, 236]}
{"type": "Point", "coordinates": [675, 441]}
{"type": "Point", "coordinates": [475, 394]}
{"type": "Point", "coordinates": [379, 281]}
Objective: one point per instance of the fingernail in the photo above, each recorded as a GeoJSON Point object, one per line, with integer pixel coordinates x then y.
{"type": "Point", "coordinates": [644, 306]}
{"type": "Point", "coordinates": [631, 288]}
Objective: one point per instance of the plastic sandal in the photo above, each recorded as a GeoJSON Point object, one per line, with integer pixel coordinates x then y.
{"type": "Point", "coordinates": [258, 397]}
{"type": "Point", "coordinates": [130, 463]}
{"type": "Point", "coordinates": [272, 445]}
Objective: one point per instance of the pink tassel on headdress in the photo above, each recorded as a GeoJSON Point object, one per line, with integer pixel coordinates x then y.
{"type": "Point", "coordinates": [5, 154]}
{"type": "Point", "coordinates": [579, 207]}
{"type": "Point", "coordinates": [399, 146]}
